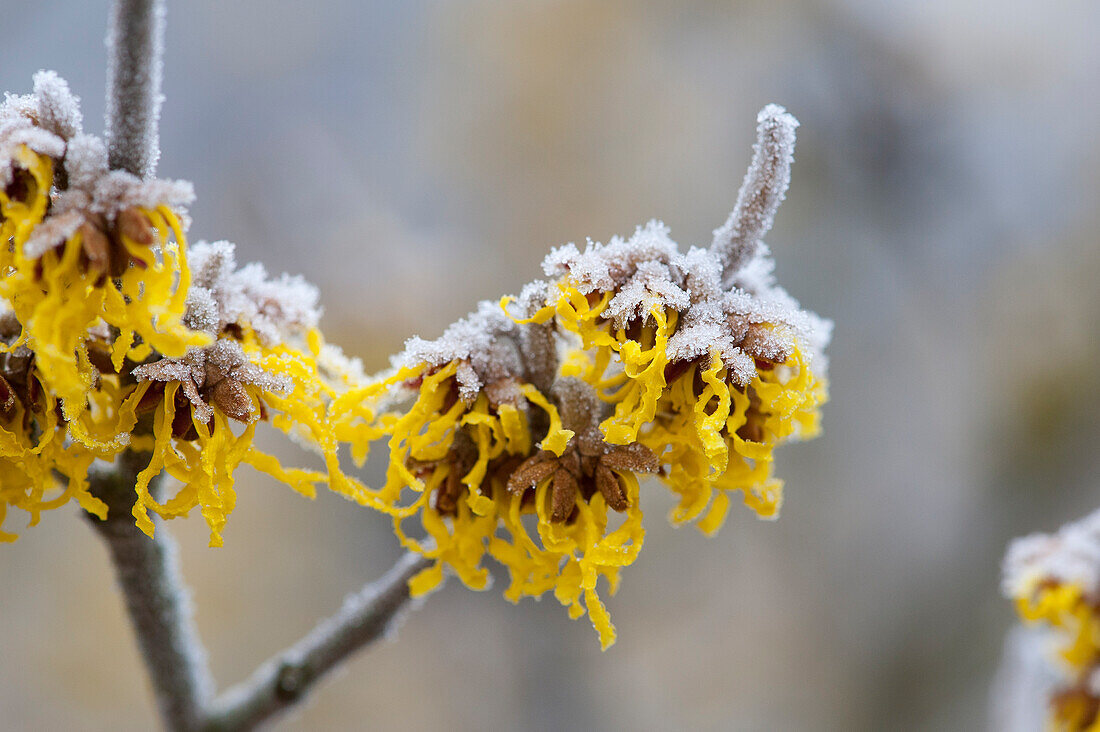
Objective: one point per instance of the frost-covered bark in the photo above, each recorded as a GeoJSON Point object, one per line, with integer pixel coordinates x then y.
{"type": "Point", "coordinates": [764, 188]}
{"type": "Point", "coordinates": [156, 599]}
{"type": "Point", "coordinates": [135, 42]}
{"type": "Point", "coordinates": [286, 679]}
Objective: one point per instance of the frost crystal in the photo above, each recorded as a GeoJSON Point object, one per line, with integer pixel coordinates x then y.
{"type": "Point", "coordinates": [647, 271]}
{"type": "Point", "coordinates": [1071, 556]}
{"type": "Point", "coordinates": [484, 342]}
{"type": "Point", "coordinates": [49, 122]}
{"type": "Point", "coordinates": [763, 189]}
{"type": "Point", "coordinates": [58, 110]}
{"type": "Point", "coordinates": [222, 295]}
{"type": "Point", "coordinates": [216, 374]}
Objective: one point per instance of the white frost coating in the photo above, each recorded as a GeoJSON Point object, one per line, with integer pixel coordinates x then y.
{"type": "Point", "coordinates": [763, 189]}
{"type": "Point", "coordinates": [135, 43]}
{"type": "Point", "coordinates": [647, 271]}
{"type": "Point", "coordinates": [49, 123]}
{"type": "Point", "coordinates": [649, 287]}
{"type": "Point", "coordinates": [1071, 556]}
{"type": "Point", "coordinates": [604, 267]}
{"type": "Point", "coordinates": [43, 121]}
{"type": "Point", "coordinates": [484, 342]}
{"type": "Point", "coordinates": [58, 111]}
{"type": "Point", "coordinates": [726, 296]}
{"type": "Point", "coordinates": [202, 369]}
{"type": "Point", "coordinates": [118, 190]}
{"type": "Point", "coordinates": [222, 295]}
{"type": "Point", "coordinates": [85, 161]}
{"type": "Point", "coordinates": [17, 128]}
{"type": "Point", "coordinates": [53, 230]}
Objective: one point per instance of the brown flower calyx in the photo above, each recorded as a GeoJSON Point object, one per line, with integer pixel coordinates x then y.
{"type": "Point", "coordinates": [583, 468]}
{"type": "Point", "coordinates": [1078, 703]}
{"type": "Point", "coordinates": [215, 375]}
{"type": "Point", "coordinates": [18, 382]}
{"type": "Point", "coordinates": [460, 458]}
{"type": "Point", "coordinates": [753, 429]}
{"type": "Point", "coordinates": [102, 240]}
{"type": "Point", "coordinates": [588, 464]}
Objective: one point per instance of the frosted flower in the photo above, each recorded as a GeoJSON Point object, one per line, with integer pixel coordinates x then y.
{"type": "Point", "coordinates": [41, 466]}
{"type": "Point", "coordinates": [109, 345]}
{"type": "Point", "coordinates": [88, 246]}
{"type": "Point", "coordinates": [268, 364]}
{"type": "Point", "coordinates": [710, 376]}
{"type": "Point", "coordinates": [633, 359]}
{"type": "Point", "coordinates": [482, 448]}
{"type": "Point", "coordinates": [1055, 581]}
{"type": "Point", "coordinates": [224, 297]}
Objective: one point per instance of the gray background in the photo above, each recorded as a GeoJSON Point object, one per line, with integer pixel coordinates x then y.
{"type": "Point", "coordinates": [412, 158]}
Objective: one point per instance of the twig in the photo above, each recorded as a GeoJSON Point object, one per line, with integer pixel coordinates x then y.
{"type": "Point", "coordinates": [762, 191]}
{"type": "Point", "coordinates": [156, 599]}
{"type": "Point", "coordinates": [135, 42]}
{"type": "Point", "coordinates": [286, 678]}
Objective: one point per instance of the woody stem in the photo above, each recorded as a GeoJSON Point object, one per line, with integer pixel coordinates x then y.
{"type": "Point", "coordinates": [135, 41]}
{"type": "Point", "coordinates": [156, 599]}
{"type": "Point", "coordinates": [289, 676]}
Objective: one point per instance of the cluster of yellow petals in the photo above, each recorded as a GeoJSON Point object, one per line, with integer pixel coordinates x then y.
{"type": "Point", "coordinates": [28, 466]}
{"type": "Point", "coordinates": [78, 413]}
{"type": "Point", "coordinates": [567, 558]}
{"type": "Point", "coordinates": [84, 412]}
{"type": "Point", "coordinates": [694, 432]}
{"type": "Point", "coordinates": [57, 299]}
{"type": "Point", "coordinates": [1075, 618]}
{"type": "Point", "coordinates": [205, 465]}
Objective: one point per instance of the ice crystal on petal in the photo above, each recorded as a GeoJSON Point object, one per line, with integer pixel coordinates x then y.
{"type": "Point", "coordinates": [701, 273]}
{"type": "Point", "coordinates": [58, 110]}
{"type": "Point", "coordinates": [216, 374]}
{"type": "Point", "coordinates": [85, 161]}
{"type": "Point", "coordinates": [222, 295]}
{"type": "Point", "coordinates": [606, 266]}
{"type": "Point", "coordinates": [483, 343]}
{"type": "Point", "coordinates": [649, 287]}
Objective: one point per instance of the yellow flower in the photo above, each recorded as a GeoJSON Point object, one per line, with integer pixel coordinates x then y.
{"type": "Point", "coordinates": [637, 394]}
{"type": "Point", "coordinates": [714, 430]}
{"type": "Point", "coordinates": [88, 277]}
{"type": "Point", "coordinates": [1054, 582]}
{"type": "Point", "coordinates": [269, 363]}
{"type": "Point", "coordinates": [462, 466]}
{"type": "Point", "coordinates": [36, 451]}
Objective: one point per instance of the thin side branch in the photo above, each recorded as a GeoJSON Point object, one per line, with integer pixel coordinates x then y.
{"type": "Point", "coordinates": [157, 601]}
{"type": "Point", "coordinates": [288, 677]}
{"type": "Point", "coordinates": [135, 49]}
{"type": "Point", "coordinates": [763, 189]}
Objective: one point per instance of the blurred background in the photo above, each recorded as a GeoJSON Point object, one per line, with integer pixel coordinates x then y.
{"type": "Point", "coordinates": [413, 157]}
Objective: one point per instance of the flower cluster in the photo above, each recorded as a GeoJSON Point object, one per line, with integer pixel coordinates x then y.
{"type": "Point", "coordinates": [88, 247]}
{"type": "Point", "coordinates": [520, 434]}
{"type": "Point", "coordinates": [111, 340]}
{"type": "Point", "coordinates": [1055, 581]}
{"type": "Point", "coordinates": [530, 423]}
{"type": "Point", "coordinates": [266, 361]}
